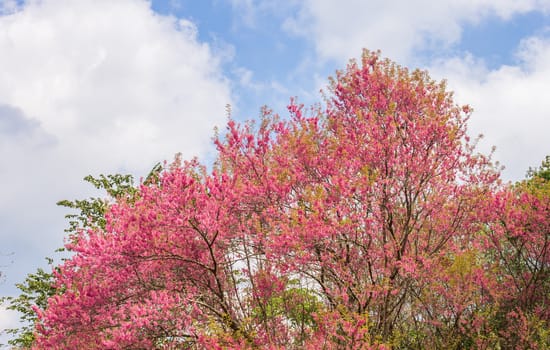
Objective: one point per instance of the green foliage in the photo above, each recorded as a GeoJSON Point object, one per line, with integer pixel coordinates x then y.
{"type": "Point", "coordinates": [543, 171]}
{"type": "Point", "coordinates": [297, 304]}
{"type": "Point", "coordinates": [35, 291]}
{"type": "Point", "coordinates": [92, 210]}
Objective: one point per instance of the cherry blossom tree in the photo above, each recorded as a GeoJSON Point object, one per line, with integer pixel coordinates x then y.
{"type": "Point", "coordinates": [519, 244]}
{"type": "Point", "coordinates": [369, 222]}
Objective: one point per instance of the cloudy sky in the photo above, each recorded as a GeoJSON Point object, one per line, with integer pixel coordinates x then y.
{"type": "Point", "coordinates": [114, 86]}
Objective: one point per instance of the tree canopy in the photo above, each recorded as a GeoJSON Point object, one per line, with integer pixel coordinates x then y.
{"type": "Point", "coordinates": [368, 222]}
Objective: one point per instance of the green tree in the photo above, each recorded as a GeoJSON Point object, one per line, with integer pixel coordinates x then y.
{"type": "Point", "coordinates": [542, 172]}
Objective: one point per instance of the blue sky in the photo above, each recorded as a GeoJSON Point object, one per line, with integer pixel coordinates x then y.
{"type": "Point", "coordinates": [102, 86]}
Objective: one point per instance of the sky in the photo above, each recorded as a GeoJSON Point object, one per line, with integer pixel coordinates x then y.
{"type": "Point", "coordinates": [115, 86]}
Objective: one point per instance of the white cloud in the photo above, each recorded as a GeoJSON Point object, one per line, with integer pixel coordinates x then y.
{"type": "Point", "coordinates": [88, 87]}
{"type": "Point", "coordinates": [103, 69]}
{"type": "Point", "coordinates": [511, 105]}
{"type": "Point", "coordinates": [340, 29]}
